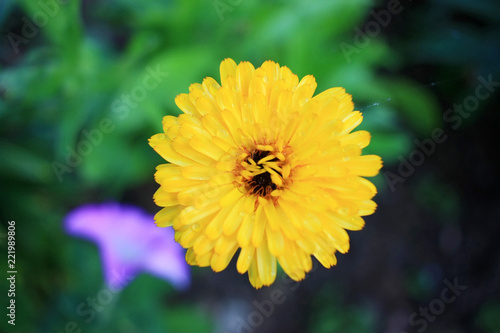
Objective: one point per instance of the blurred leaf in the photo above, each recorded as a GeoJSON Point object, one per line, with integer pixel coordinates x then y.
{"type": "Point", "coordinates": [388, 145]}
{"type": "Point", "coordinates": [5, 7]}
{"type": "Point", "coordinates": [455, 33]}
{"type": "Point", "coordinates": [489, 317]}
{"type": "Point", "coordinates": [483, 8]}
{"type": "Point", "coordinates": [139, 307]}
{"type": "Point", "coordinates": [359, 81]}
{"type": "Point", "coordinates": [59, 22]}
{"type": "Point", "coordinates": [420, 283]}
{"type": "Point", "coordinates": [82, 258]}
{"type": "Point", "coordinates": [331, 314]}
{"type": "Point", "coordinates": [117, 162]}
{"type": "Point", "coordinates": [184, 66]}
{"type": "Point", "coordinates": [454, 46]}
{"type": "Point", "coordinates": [23, 164]}
{"type": "Point", "coordinates": [417, 105]}
{"type": "Point", "coordinates": [439, 198]}
{"type": "Point", "coordinates": [388, 140]}
{"type": "Point", "coordinates": [184, 319]}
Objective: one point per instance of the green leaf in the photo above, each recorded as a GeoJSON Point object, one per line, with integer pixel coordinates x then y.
{"type": "Point", "coordinates": [416, 104]}
{"type": "Point", "coordinates": [388, 140]}
{"type": "Point", "coordinates": [25, 164]}
{"type": "Point", "coordinates": [188, 319]}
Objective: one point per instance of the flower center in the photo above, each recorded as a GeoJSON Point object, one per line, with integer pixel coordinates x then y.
{"type": "Point", "coordinates": [262, 173]}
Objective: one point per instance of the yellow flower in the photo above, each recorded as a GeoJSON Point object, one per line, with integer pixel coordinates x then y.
{"type": "Point", "coordinates": [258, 164]}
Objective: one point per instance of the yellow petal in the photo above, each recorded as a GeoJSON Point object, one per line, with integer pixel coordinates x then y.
{"type": "Point", "coordinates": [165, 172]}
{"type": "Point", "coordinates": [189, 236]}
{"type": "Point", "coordinates": [227, 68]}
{"type": "Point", "coordinates": [204, 260]}
{"type": "Point", "coordinates": [275, 242]}
{"type": "Point", "coordinates": [184, 103]}
{"type": "Point", "coordinates": [176, 185]}
{"type": "Point", "coordinates": [286, 225]}
{"type": "Point", "coordinates": [214, 228]}
{"type": "Point", "coordinates": [234, 218]}
{"type": "Point", "coordinates": [164, 217]}
{"type": "Point", "coordinates": [210, 86]}
{"type": "Point", "coordinates": [203, 245]}
{"type": "Point", "coordinates": [366, 207]}
{"type": "Point", "coordinates": [244, 73]}
{"type": "Point", "coordinates": [351, 121]}
{"type": "Point", "coordinates": [245, 259]}
{"type": "Point", "coordinates": [198, 172]}
{"type": "Point", "coordinates": [206, 147]}
{"type": "Point", "coordinates": [225, 245]}
{"type": "Point", "coordinates": [326, 259]}
{"type": "Point", "coordinates": [164, 147]}
{"type": "Point", "coordinates": [219, 262]}
{"type": "Point", "coordinates": [190, 257]}
{"type": "Point", "coordinates": [182, 147]}
{"type": "Point", "coordinates": [171, 126]}
{"type": "Point", "coordinates": [246, 230]}
{"type": "Point", "coordinates": [165, 199]}
{"type": "Point", "coordinates": [259, 227]}
{"type": "Point", "coordinates": [359, 138]}
{"type": "Point", "coordinates": [367, 165]}
{"type": "Point", "coordinates": [253, 275]}
{"type": "Point", "coordinates": [272, 216]}
{"type": "Point", "coordinates": [266, 264]}
{"type": "Point", "coordinates": [231, 197]}
{"type": "Point", "coordinates": [191, 214]}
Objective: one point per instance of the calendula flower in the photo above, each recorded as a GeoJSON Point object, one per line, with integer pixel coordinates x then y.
{"type": "Point", "coordinates": [259, 165]}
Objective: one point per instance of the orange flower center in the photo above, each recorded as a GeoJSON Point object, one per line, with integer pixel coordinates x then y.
{"type": "Point", "coordinates": [262, 171]}
{"type": "Point", "coordinates": [261, 183]}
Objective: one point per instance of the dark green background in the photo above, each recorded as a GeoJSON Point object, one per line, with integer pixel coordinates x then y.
{"type": "Point", "coordinates": [59, 81]}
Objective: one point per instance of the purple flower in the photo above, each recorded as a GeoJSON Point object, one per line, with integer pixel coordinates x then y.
{"type": "Point", "coordinates": [129, 243]}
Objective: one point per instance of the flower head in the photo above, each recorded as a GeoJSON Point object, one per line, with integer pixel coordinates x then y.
{"type": "Point", "coordinates": [129, 243]}
{"type": "Point", "coordinates": [258, 164]}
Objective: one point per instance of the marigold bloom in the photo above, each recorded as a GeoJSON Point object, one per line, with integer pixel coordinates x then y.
{"type": "Point", "coordinates": [259, 164]}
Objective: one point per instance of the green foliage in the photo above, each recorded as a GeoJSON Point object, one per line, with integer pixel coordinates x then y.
{"type": "Point", "coordinates": [439, 199]}
{"type": "Point", "coordinates": [71, 78]}
{"type": "Point", "coordinates": [332, 315]}
{"type": "Point", "coordinates": [489, 317]}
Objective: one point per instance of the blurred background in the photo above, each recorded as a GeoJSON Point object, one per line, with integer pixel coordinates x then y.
{"type": "Point", "coordinates": [425, 74]}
